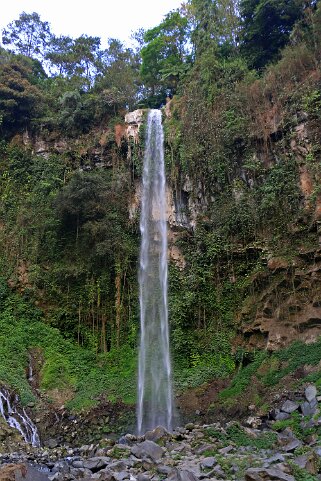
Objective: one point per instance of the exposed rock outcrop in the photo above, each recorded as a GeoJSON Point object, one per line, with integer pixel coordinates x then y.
{"type": "Point", "coordinates": [287, 303]}
{"type": "Point", "coordinates": [134, 121]}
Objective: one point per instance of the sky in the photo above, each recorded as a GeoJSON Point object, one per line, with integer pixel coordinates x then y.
{"type": "Point", "coordinates": [101, 18]}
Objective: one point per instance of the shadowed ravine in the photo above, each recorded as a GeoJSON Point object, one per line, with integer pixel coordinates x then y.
{"type": "Point", "coordinates": [155, 404]}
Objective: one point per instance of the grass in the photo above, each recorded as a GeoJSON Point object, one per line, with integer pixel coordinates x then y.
{"type": "Point", "coordinates": [296, 355]}
{"type": "Point", "coordinates": [243, 377]}
{"type": "Point", "coordinates": [301, 474]}
{"type": "Point", "coordinates": [234, 434]}
{"type": "Point", "coordinates": [295, 423]}
{"type": "Point", "coordinates": [269, 370]}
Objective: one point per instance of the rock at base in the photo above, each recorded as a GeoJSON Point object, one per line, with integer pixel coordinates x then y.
{"type": "Point", "coordinates": [148, 449]}
{"type": "Point", "coordinates": [21, 472]}
{"type": "Point", "coordinates": [289, 407]}
{"type": "Point", "coordinates": [262, 474]}
{"type": "Point", "coordinates": [182, 475]}
{"type": "Point", "coordinates": [310, 393]}
{"type": "Point", "coordinates": [208, 462]}
{"type": "Point", "coordinates": [156, 434]}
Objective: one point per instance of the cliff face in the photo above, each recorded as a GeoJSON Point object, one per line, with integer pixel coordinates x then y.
{"type": "Point", "coordinates": [286, 304]}
{"type": "Point", "coordinates": [220, 243]}
{"type": "Point", "coordinates": [281, 302]}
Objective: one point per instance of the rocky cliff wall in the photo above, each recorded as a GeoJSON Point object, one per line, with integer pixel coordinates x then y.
{"type": "Point", "coordinates": [282, 301]}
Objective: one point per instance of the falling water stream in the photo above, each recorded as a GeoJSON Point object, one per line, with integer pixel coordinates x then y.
{"type": "Point", "coordinates": [18, 418]}
{"type": "Point", "coordinates": [155, 401]}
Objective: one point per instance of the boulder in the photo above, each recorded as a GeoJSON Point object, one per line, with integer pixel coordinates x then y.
{"type": "Point", "coordinates": [147, 449]}
{"type": "Point", "coordinates": [103, 475]}
{"type": "Point", "coordinates": [96, 463]}
{"type": "Point", "coordinates": [218, 472]}
{"type": "Point", "coordinates": [118, 466]}
{"type": "Point", "coordinates": [318, 452]}
{"type": "Point", "coordinates": [51, 443]}
{"type": "Point", "coordinates": [309, 408]}
{"type": "Point", "coordinates": [273, 459]}
{"type": "Point", "coordinates": [254, 421]}
{"type": "Point", "coordinates": [163, 469]}
{"type": "Point", "coordinates": [57, 477]}
{"type": "Point", "coordinates": [189, 426]}
{"type": "Point", "coordinates": [208, 463]}
{"type": "Point", "coordinates": [289, 406]}
{"type": "Point", "coordinates": [60, 467]}
{"type": "Point", "coordinates": [227, 449]}
{"type": "Point", "coordinates": [80, 473]}
{"type": "Point", "coordinates": [78, 463]}
{"type": "Point", "coordinates": [203, 448]}
{"type": "Point", "coordinates": [310, 393]}
{"type": "Point", "coordinates": [121, 476]}
{"type": "Point", "coordinates": [181, 475]}
{"type": "Point", "coordinates": [292, 445]}
{"type": "Point", "coordinates": [267, 474]}
{"type": "Point", "coordinates": [281, 416]}
{"type": "Point", "coordinates": [309, 462]}
{"type": "Point", "coordinates": [143, 477]}
{"type": "Point", "coordinates": [157, 434]}
{"type": "Point", "coordinates": [21, 472]}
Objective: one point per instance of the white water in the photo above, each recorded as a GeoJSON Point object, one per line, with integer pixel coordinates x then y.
{"type": "Point", "coordinates": [155, 402]}
{"type": "Point", "coordinates": [18, 420]}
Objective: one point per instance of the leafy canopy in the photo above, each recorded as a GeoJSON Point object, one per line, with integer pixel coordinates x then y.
{"type": "Point", "coordinates": [267, 25]}
{"type": "Point", "coordinates": [28, 35]}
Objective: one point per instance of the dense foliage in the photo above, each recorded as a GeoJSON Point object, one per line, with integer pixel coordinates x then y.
{"type": "Point", "coordinates": [243, 75]}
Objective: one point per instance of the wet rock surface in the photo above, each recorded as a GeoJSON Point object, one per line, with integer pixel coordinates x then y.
{"type": "Point", "coordinates": [256, 451]}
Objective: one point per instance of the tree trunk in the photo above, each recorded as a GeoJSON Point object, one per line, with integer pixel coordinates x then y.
{"type": "Point", "coordinates": [103, 341]}
{"type": "Point", "coordinates": [118, 303]}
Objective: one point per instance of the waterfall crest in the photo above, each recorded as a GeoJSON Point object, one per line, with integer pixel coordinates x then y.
{"type": "Point", "coordinates": [155, 400]}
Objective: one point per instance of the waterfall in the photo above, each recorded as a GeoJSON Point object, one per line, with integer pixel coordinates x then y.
{"type": "Point", "coordinates": [18, 420]}
{"type": "Point", "coordinates": [155, 403]}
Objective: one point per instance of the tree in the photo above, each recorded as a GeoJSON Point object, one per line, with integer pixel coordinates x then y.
{"type": "Point", "coordinates": [86, 53]}
{"type": "Point", "coordinates": [28, 35]}
{"type": "Point", "coordinates": [119, 78]}
{"type": "Point", "coordinates": [214, 23]}
{"type": "Point", "coordinates": [165, 55]}
{"type": "Point", "coordinates": [60, 55]}
{"type": "Point", "coordinates": [20, 99]}
{"type": "Point", "coordinates": [80, 56]}
{"type": "Point", "coordinates": [267, 25]}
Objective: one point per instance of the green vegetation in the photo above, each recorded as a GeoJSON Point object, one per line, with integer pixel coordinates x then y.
{"type": "Point", "coordinates": [301, 474]}
{"type": "Point", "coordinates": [66, 366]}
{"type": "Point", "coordinates": [236, 435]}
{"type": "Point", "coordinates": [267, 26]}
{"type": "Point", "coordinates": [290, 359]}
{"type": "Point", "coordinates": [270, 370]}
{"type": "Point", "coordinates": [243, 164]}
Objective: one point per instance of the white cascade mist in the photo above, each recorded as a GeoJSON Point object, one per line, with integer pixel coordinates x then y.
{"type": "Point", "coordinates": [155, 399]}
{"type": "Point", "coordinates": [16, 419]}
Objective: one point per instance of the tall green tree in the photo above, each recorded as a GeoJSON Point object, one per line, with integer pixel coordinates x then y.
{"type": "Point", "coordinates": [267, 25]}
{"type": "Point", "coordinates": [119, 77]}
{"type": "Point", "coordinates": [86, 53]}
{"type": "Point", "coordinates": [20, 97]}
{"type": "Point", "coordinates": [28, 35]}
{"type": "Point", "coordinates": [78, 57]}
{"type": "Point", "coordinates": [60, 55]}
{"type": "Point", "coordinates": [165, 55]}
{"type": "Point", "coordinates": [214, 23]}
